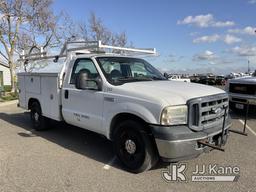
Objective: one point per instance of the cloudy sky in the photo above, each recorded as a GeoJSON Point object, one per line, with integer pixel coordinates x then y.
{"type": "Point", "coordinates": [190, 35]}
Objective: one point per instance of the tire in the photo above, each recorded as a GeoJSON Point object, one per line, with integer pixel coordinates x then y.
{"type": "Point", "coordinates": [134, 147]}
{"type": "Point", "coordinates": [39, 122]}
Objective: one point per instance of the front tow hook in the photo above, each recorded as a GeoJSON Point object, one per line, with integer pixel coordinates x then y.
{"type": "Point", "coordinates": [211, 145]}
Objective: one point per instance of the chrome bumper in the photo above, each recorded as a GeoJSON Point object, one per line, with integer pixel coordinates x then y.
{"type": "Point", "coordinates": [246, 98]}
{"type": "Point", "coordinates": [176, 143]}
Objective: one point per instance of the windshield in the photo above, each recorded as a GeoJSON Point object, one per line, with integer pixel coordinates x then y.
{"type": "Point", "coordinates": [120, 70]}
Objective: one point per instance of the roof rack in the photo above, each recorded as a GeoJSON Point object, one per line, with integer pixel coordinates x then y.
{"type": "Point", "coordinates": [87, 47]}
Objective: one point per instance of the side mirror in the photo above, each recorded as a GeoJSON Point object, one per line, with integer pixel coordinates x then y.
{"type": "Point", "coordinates": [166, 75]}
{"type": "Point", "coordinates": [87, 84]}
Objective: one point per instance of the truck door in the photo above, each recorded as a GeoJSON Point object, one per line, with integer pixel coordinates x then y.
{"type": "Point", "coordinates": [82, 108]}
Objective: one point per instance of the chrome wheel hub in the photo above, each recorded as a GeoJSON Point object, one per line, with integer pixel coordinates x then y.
{"type": "Point", "coordinates": [130, 146]}
{"type": "Point", "coordinates": [36, 116]}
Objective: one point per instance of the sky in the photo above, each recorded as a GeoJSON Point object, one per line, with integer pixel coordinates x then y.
{"type": "Point", "coordinates": [191, 36]}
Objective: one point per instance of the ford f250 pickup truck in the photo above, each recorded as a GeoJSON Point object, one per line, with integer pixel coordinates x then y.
{"type": "Point", "coordinates": [128, 101]}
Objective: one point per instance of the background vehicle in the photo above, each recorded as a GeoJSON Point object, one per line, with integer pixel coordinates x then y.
{"type": "Point", "coordinates": [241, 91]}
{"type": "Point", "coordinates": [207, 80]}
{"type": "Point", "coordinates": [220, 80]}
{"type": "Point", "coordinates": [128, 101]}
{"type": "Point", "coordinates": [195, 78]}
{"type": "Point", "coordinates": [178, 78]}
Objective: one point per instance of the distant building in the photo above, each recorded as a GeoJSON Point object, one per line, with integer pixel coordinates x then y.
{"type": "Point", "coordinates": [5, 76]}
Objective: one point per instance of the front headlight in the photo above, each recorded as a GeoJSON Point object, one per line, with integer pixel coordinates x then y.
{"type": "Point", "coordinates": [174, 115]}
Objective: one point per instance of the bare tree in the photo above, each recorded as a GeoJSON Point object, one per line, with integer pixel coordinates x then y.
{"type": "Point", "coordinates": [121, 39]}
{"type": "Point", "coordinates": [43, 30]}
{"type": "Point", "coordinates": [21, 22]}
{"type": "Point", "coordinates": [31, 24]}
{"type": "Point", "coordinates": [94, 29]}
{"type": "Point", "coordinates": [98, 31]}
{"type": "Point", "coordinates": [66, 28]}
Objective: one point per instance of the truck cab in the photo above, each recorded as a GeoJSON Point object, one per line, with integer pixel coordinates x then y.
{"type": "Point", "coordinates": [131, 103]}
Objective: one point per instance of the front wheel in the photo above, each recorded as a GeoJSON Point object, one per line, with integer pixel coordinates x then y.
{"type": "Point", "coordinates": [134, 148]}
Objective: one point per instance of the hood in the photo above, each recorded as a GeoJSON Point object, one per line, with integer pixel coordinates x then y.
{"type": "Point", "coordinates": [244, 80]}
{"type": "Point", "coordinates": [172, 92]}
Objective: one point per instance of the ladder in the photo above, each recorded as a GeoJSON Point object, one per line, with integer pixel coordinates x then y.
{"type": "Point", "coordinates": [87, 47]}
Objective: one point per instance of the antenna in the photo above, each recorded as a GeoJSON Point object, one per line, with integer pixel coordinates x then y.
{"type": "Point", "coordinates": [249, 70]}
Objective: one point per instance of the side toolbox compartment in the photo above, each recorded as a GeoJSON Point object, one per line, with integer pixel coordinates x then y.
{"type": "Point", "coordinates": [33, 84]}
{"type": "Point", "coordinates": [50, 95]}
{"type": "Point", "coordinates": [43, 87]}
{"type": "Point", "coordinates": [22, 91]}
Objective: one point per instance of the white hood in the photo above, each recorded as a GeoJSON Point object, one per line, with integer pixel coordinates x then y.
{"type": "Point", "coordinates": [172, 92]}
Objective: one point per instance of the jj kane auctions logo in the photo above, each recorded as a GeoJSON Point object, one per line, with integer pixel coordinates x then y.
{"type": "Point", "coordinates": [201, 173]}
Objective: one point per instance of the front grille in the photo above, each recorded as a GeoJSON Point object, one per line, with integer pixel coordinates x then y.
{"type": "Point", "coordinates": [242, 88]}
{"type": "Point", "coordinates": [206, 112]}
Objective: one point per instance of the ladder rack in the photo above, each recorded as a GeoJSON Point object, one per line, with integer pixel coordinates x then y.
{"type": "Point", "coordinates": [87, 47]}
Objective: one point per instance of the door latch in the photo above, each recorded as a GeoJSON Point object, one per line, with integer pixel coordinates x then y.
{"type": "Point", "coordinates": [66, 94]}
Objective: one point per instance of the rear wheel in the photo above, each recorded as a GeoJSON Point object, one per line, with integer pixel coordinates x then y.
{"type": "Point", "coordinates": [39, 122]}
{"type": "Point", "coordinates": [134, 147]}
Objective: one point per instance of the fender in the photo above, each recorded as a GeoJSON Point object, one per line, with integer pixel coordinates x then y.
{"type": "Point", "coordinates": [132, 108]}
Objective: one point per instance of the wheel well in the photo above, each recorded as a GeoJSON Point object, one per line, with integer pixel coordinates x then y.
{"type": "Point", "coordinates": [125, 116]}
{"type": "Point", "coordinates": [31, 101]}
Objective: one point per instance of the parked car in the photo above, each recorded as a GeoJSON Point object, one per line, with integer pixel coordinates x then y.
{"type": "Point", "coordinates": [207, 80]}
{"type": "Point", "coordinates": [127, 100]}
{"type": "Point", "coordinates": [220, 80]}
{"type": "Point", "coordinates": [179, 78]}
{"type": "Point", "coordinates": [194, 79]}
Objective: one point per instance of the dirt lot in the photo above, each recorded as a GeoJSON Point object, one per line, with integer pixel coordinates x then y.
{"type": "Point", "coordinates": [67, 158]}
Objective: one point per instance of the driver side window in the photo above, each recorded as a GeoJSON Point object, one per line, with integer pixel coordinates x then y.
{"type": "Point", "coordinates": [84, 64]}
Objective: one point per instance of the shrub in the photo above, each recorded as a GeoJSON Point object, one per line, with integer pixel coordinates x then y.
{"type": "Point", "coordinates": [10, 96]}
{"type": "Point", "coordinates": [7, 88]}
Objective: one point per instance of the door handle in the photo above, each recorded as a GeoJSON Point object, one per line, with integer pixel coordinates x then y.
{"type": "Point", "coordinates": [66, 94]}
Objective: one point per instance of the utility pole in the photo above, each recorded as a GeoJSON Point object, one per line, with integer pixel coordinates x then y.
{"type": "Point", "coordinates": [249, 70]}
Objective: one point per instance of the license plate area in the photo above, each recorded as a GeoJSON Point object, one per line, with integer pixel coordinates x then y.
{"type": "Point", "coordinates": [239, 106]}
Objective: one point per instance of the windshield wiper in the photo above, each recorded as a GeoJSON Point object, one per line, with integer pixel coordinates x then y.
{"type": "Point", "coordinates": [135, 79]}
{"type": "Point", "coordinates": [158, 78]}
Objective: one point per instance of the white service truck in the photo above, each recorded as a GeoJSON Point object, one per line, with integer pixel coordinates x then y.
{"type": "Point", "coordinates": [128, 101]}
